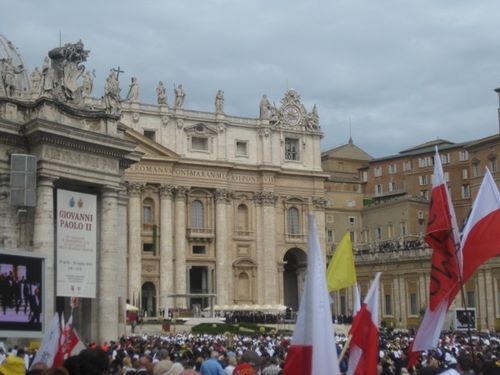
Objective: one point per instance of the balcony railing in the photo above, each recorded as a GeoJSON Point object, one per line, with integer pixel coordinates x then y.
{"type": "Point", "coordinates": [295, 237]}
{"type": "Point", "coordinates": [200, 232]}
{"type": "Point", "coordinates": [243, 233]}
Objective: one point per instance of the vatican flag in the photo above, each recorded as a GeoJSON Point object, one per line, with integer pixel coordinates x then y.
{"type": "Point", "coordinates": [341, 272]}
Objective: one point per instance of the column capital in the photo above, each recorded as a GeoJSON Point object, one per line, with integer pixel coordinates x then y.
{"type": "Point", "coordinates": [45, 180]}
{"type": "Point", "coordinates": [167, 191]}
{"type": "Point", "coordinates": [222, 195]}
{"type": "Point", "coordinates": [110, 191]}
{"type": "Point", "coordinates": [181, 191]}
{"type": "Point", "coordinates": [266, 198]}
{"type": "Point", "coordinates": [134, 189]}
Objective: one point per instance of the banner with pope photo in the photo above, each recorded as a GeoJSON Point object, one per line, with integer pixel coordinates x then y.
{"type": "Point", "coordinates": [76, 244]}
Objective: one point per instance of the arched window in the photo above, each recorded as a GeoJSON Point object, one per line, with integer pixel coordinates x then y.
{"type": "Point", "coordinates": [293, 221]}
{"type": "Point", "coordinates": [148, 212]}
{"type": "Point", "coordinates": [197, 215]}
{"type": "Point", "coordinates": [242, 221]}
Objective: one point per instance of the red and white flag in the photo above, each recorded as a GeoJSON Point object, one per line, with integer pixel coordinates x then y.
{"type": "Point", "coordinates": [480, 238]}
{"type": "Point", "coordinates": [69, 343]}
{"type": "Point", "coordinates": [443, 236]}
{"type": "Point", "coordinates": [363, 349]}
{"type": "Point", "coordinates": [50, 343]}
{"type": "Point", "coordinates": [313, 349]}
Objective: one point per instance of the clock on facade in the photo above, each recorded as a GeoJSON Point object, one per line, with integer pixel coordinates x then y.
{"type": "Point", "coordinates": [291, 115]}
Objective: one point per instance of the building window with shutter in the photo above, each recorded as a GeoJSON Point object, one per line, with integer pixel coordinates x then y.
{"type": "Point", "coordinates": [293, 221]}
{"type": "Point", "coordinates": [291, 149]}
{"type": "Point", "coordinates": [197, 215]}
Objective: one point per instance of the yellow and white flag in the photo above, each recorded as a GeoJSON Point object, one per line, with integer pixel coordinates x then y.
{"type": "Point", "coordinates": [341, 272]}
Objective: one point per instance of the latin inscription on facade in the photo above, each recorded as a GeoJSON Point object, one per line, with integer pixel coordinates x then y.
{"type": "Point", "coordinates": [79, 159]}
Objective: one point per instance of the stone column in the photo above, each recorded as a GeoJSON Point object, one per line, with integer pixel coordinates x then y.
{"type": "Point", "coordinates": [489, 286]}
{"type": "Point", "coordinates": [134, 242]}
{"type": "Point", "coordinates": [319, 205]}
{"type": "Point", "coordinates": [259, 295]}
{"type": "Point", "coordinates": [166, 243]}
{"type": "Point", "coordinates": [222, 255]}
{"type": "Point", "coordinates": [7, 214]}
{"type": "Point", "coordinates": [43, 240]}
{"type": "Point", "coordinates": [269, 263]}
{"type": "Point", "coordinates": [108, 277]}
{"type": "Point", "coordinates": [180, 244]}
{"type": "Point", "coordinates": [121, 259]}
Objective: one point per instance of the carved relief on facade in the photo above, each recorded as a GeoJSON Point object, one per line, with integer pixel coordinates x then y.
{"type": "Point", "coordinates": [267, 198]}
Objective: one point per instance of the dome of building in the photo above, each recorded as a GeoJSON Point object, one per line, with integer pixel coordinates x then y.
{"type": "Point", "coordinates": [8, 50]}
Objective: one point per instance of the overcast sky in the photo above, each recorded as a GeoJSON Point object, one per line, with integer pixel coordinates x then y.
{"type": "Point", "coordinates": [402, 72]}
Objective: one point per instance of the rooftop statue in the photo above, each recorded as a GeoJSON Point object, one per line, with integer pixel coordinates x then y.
{"type": "Point", "coordinates": [112, 101]}
{"type": "Point", "coordinates": [10, 84]}
{"type": "Point", "coordinates": [133, 92]}
{"type": "Point", "coordinates": [160, 92]}
{"type": "Point", "coordinates": [219, 102]}
{"type": "Point", "coordinates": [179, 96]}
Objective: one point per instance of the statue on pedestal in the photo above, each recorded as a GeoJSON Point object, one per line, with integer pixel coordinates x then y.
{"type": "Point", "coordinates": [88, 84]}
{"type": "Point", "coordinates": [161, 93]}
{"type": "Point", "coordinates": [264, 108]}
{"type": "Point", "coordinates": [36, 81]}
{"type": "Point", "coordinates": [112, 100]}
{"type": "Point", "coordinates": [219, 102]}
{"type": "Point", "coordinates": [179, 96]}
{"type": "Point", "coordinates": [133, 92]}
{"type": "Point", "coordinates": [9, 80]}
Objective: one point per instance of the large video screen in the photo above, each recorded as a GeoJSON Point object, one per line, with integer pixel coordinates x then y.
{"type": "Point", "coordinates": [21, 294]}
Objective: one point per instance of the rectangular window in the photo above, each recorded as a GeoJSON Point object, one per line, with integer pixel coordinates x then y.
{"type": "Point", "coordinates": [422, 180]}
{"type": "Point", "coordinates": [147, 216]}
{"type": "Point", "coordinates": [352, 220]}
{"type": "Point", "coordinates": [364, 176]}
{"type": "Point", "coordinates": [425, 161]}
{"type": "Point", "coordinates": [392, 186]}
{"type": "Point", "coordinates": [198, 249]}
{"type": "Point", "coordinates": [402, 229]}
{"type": "Point", "coordinates": [464, 155]}
{"type": "Point", "coordinates": [353, 236]}
{"type": "Point", "coordinates": [445, 158]}
{"type": "Point", "coordinates": [407, 166]}
{"type": "Point", "coordinates": [291, 149]}
{"type": "Point", "coordinates": [199, 143]}
{"type": "Point", "coordinates": [377, 171]}
{"type": "Point", "coordinates": [379, 189]}
{"type": "Point", "coordinates": [493, 164]}
{"type": "Point", "coordinates": [465, 191]}
{"type": "Point", "coordinates": [413, 304]}
{"type": "Point", "coordinates": [148, 248]}
{"type": "Point", "coordinates": [393, 168]}
{"type": "Point", "coordinates": [329, 235]}
{"type": "Point", "coordinates": [241, 148]}
{"type": "Point", "coordinates": [151, 134]}
{"type": "Point", "coordinates": [378, 233]}
{"type": "Point", "coordinates": [424, 194]}
{"type": "Point", "coordinates": [388, 304]}
{"type": "Point", "coordinates": [475, 169]}
{"type": "Point", "coordinates": [465, 174]}
{"type": "Point", "coordinates": [471, 298]}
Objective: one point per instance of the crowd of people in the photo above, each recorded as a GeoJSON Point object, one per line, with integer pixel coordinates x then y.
{"type": "Point", "coordinates": [232, 317]}
{"type": "Point", "coordinates": [393, 245]}
{"type": "Point", "coordinates": [187, 353]}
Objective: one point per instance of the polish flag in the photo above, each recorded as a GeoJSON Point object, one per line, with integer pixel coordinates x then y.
{"type": "Point", "coordinates": [442, 235]}
{"type": "Point", "coordinates": [313, 349]}
{"type": "Point", "coordinates": [363, 350]}
{"type": "Point", "coordinates": [50, 343]}
{"type": "Point", "coordinates": [69, 343]}
{"type": "Point", "coordinates": [480, 239]}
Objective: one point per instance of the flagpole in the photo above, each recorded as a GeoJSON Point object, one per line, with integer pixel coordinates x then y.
{"type": "Point", "coordinates": [344, 349]}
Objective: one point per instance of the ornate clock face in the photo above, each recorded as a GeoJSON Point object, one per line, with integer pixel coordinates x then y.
{"type": "Point", "coordinates": [291, 115]}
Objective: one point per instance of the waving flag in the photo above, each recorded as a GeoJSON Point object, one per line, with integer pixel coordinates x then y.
{"type": "Point", "coordinates": [480, 237]}
{"type": "Point", "coordinates": [442, 236]}
{"type": "Point", "coordinates": [363, 355]}
{"type": "Point", "coordinates": [313, 350]}
{"type": "Point", "coordinates": [341, 272]}
{"type": "Point", "coordinates": [50, 343]}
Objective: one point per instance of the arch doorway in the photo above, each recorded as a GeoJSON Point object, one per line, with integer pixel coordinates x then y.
{"type": "Point", "coordinates": [293, 276]}
{"type": "Point", "coordinates": [149, 298]}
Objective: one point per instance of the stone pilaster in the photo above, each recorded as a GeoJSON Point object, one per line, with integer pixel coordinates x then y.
{"type": "Point", "coordinates": [7, 215]}
{"type": "Point", "coordinates": [489, 286]}
{"type": "Point", "coordinates": [221, 246]}
{"type": "Point", "coordinates": [121, 259]}
{"type": "Point", "coordinates": [134, 241]}
{"type": "Point", "coordinates": [268, 261]}
{"type": "Point", "coordinates": [180, 270]}
{"type": "Point", "coordinates": [108, 277]}
{"type": "Point", "coordinates": [319, 205]}
{"type": "Point", "coordinates": [43, 240]}
{"type": "Point", "coordinates": [166, 243]}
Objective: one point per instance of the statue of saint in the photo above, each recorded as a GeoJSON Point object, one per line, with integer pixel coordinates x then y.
{"type": "Point", "coordinates": [36, 81]}
{"type": "Point", "coordinates": [264, 108]}
{"type": "Point", "coordinates": [219, 102]}
{"type": "Point", "coordinates": [48, 76]}
{"type": "Point", "coordinates": [112, 94]}
{"type": "Point", "coordinates": [9, 78]}
{"type": "Point", "coordinates": [88, 84]}
{"type": "Point", "coordinates": [161, 93]}
{"type": "Point", "coordinates": [180, 95]}
{"type": "Point", "coordinates": [133, 92]}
